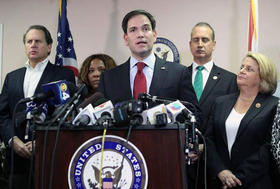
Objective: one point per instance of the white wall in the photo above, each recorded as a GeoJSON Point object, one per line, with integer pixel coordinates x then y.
{"type": "Point", "coordinates": [96, 27]}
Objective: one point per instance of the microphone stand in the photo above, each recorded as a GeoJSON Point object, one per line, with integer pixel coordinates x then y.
{"type": "Point", "coordinates": [37, 112]}
{"type": "Point", "coordinates": [68, 107]}
{"type": "Point", "coordinates": [191, 137]}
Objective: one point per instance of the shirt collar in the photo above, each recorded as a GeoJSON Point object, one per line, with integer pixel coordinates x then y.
{"type": "Point", "coordinates": [149, 61]}
{"type": "Point", "coordinates": [39, 66]}
{"type": "Point", "coordinates": [207, 66]}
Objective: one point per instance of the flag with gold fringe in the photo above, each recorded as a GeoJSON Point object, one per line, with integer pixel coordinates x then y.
{"type": "Point", "coordinates": [65, 53]}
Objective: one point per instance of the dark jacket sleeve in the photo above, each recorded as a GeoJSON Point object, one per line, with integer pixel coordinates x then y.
{"type": "Point", "coordinates": [5, 113]}
{"type": "Point", "coordinates": [215, 163]}
{"type": "Point", "coordinates": [255, 166]}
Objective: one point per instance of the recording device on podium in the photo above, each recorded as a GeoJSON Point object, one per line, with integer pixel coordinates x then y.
{"type": "Point", "coordinates": [129, 112]}
{"type": "Point", "coordinates": [156, 116]}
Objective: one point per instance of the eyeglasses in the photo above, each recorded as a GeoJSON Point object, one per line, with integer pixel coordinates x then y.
{"type": "Point", "coordinates": [247, 68]}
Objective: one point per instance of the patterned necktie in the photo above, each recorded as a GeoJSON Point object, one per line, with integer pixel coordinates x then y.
{"type": "Point", "coordinates": [140, 84]}
{"type": "Point", "coordinates": [198, 82]}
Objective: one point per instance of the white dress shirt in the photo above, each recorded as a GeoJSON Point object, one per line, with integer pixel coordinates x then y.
{"type": "Point", "coordinates": [32, 77]}
{"type": "Point", "coordinates": [232, 125]}
{"type": "Point", "coordinates": [205, 72]}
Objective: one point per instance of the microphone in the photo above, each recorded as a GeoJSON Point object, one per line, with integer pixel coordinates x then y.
{"type": "Point", "coordinates": [29, 107]}
{"type": "Point", "coordinates": [104, 107]}
{"type": "Point", "coordinates": [178, 112]}
{"type": "Point", "coordinates": [181, 114]}
{"type": "Point", "coordinates": [69, 105]}
{"type": "Point", "coordinates": [55, 92]}
{"type": "Point", "coordinates": [105, 119]}
{"type": "Point", "coordinates": [92, 100]}
{"type": "Point", "coordinates": [83, 120]}
{"type": "Point", "coordinates": [156, 116]}
{"type": "Point", "coordinates": [40, 113]}
{"type": "Point", "coordinates": [37, 113]}
{"type": "Point", "coordinates": [85, 117]}
{"type": "Point", "coordinates": [127, 111]}
{"type": "Point", "coordinates": [145, 97]}
{"type": "Point", "coordinates": [60, 91]}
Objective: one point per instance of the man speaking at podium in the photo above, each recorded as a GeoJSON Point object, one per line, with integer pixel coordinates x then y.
{"type": "Point", "coordinates": [144, 71]}
{"type": "Point", "coordinates": [23, 83]}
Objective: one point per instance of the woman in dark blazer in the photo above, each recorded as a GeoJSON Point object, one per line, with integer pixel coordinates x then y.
{"type": "Point", "coordinates": [239, 134]}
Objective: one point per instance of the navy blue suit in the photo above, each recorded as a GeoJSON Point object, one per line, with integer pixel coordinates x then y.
{"type": "Point", "coordinates": [169, 80]}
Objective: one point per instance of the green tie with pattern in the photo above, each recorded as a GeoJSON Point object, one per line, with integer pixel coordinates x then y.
{"type": "Point", "coordinates": [198, 82]}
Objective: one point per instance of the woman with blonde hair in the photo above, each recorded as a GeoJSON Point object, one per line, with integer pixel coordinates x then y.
{"type": "Point", "coordinates": [239, 134]}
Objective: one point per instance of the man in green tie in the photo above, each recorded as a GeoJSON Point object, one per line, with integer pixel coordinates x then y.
{"type": "Point", "coordinates": [209, 81]}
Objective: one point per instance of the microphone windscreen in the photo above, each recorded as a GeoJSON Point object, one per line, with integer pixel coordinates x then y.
{"type": "Point", "coordinates": [92, 100]}
{"type": "Point", "coordinates": [58, 91]}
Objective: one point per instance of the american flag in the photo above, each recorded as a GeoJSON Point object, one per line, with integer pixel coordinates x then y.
{"type": "Point", "coordinates": [65, 53]}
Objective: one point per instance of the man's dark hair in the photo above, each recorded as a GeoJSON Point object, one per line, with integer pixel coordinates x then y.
{"type": "Point", "coordinates": [205, 24]}
{"type": "Point", "coordinates": [48, 36]}
{"type": "Point", "coordinates": [133, 13]}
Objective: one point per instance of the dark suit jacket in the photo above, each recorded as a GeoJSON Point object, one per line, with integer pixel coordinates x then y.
{"type": "Point", "coordinates": [220, 82]}
{"type": "Point", "coordinates": [169, 80]}
{"type": "Point", "coordinates": [250, 155]}
{"type": "Point", "coordinates": [12, 92]}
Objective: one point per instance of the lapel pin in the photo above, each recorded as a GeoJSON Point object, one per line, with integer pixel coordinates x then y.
{"type": "Point", "coordinates": [258, 105]}
{"type": "Point", "coordinates": [215, 77]}
{"type": "Point", "coordinates": [162, 68]}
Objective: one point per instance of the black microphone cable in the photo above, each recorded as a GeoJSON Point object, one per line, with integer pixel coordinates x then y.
{"type": "Point", "coordinates": [14, 123]}
{"type": "Point", "coordinates": [35, 112]}
{"type": "Point", "coordinates": [182, 153]}
{"type": "Point", "coordinates": [31, 173]}
{"type": "Point", "coordinates": [131, 125]}
{"type": "Point", "coordinates": [205, 156]}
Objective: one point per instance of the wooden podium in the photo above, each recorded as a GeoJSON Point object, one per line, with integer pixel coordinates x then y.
{"type": "Point", "coordinates": [160, 147]}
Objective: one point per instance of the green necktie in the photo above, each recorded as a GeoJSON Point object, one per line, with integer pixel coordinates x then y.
{"type": "Point", "coordinates": [198, 82]}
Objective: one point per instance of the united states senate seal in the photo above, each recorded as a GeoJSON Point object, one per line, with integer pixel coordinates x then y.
{"type": "Point", "coordinates": [166, 50]}
{"type": "Point", "coordinates": [122, 166]}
